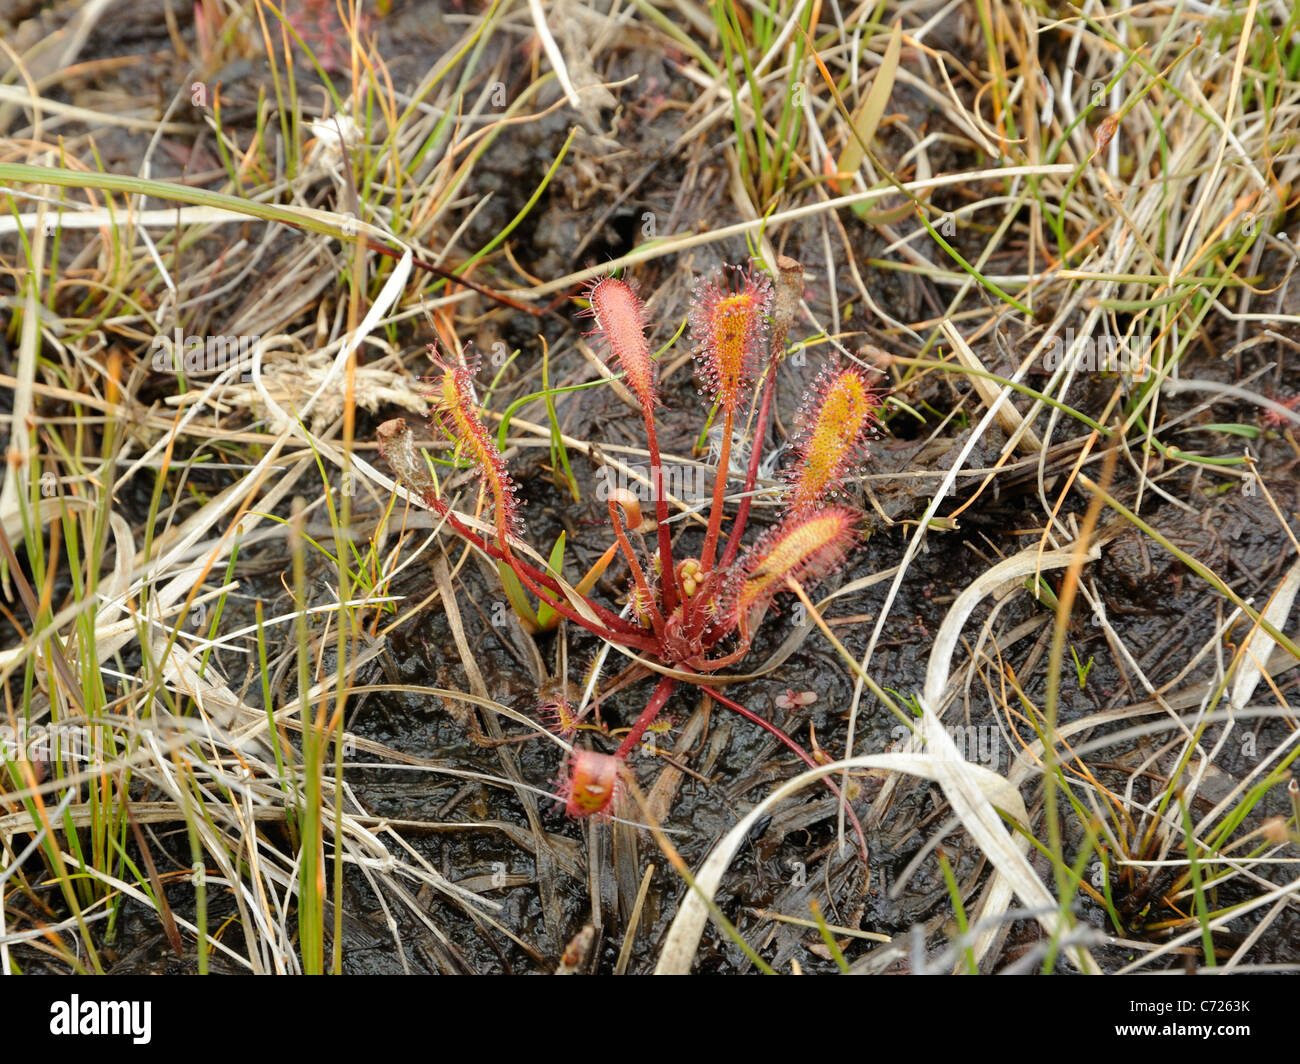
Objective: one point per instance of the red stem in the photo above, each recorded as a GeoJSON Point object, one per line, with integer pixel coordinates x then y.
{"type": "Point", "coordinates": [755, 457]}
{"type": "Point", "coordinates": [638, 576]}
{"type": "Point", "coordinates": [560, 606]}
{"type": "Point", "coordinates": [668, 572]}
{"type": "Point", "coordinates": [629, 675]}
{"type": "Point", "coordinates": [656, 703]}
{"type": "Point", "coordinates": [803, 755]}
{"type": "Point", "coordinates": [619, 631]}
{"type": "Point", "coordinates": [719, 491]}
{"type": "Point", "coordinates": [456, 279]}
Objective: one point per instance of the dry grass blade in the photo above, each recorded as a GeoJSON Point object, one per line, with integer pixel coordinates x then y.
{"type": "Point", "coordinates": [1058, 245]}
{"type": "Point", "coordinates": [677, 955]}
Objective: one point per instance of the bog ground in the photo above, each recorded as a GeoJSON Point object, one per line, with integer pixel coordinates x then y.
{"type": "Point", "coordinates": [277, 702]}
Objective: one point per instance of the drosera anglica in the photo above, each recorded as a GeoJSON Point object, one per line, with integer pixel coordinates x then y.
{"type": "Point", "coordinates": [687, 618]}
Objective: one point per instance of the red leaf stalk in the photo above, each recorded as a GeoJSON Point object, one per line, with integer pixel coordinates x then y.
{"type": "Point", "coordinates": [657, 701]}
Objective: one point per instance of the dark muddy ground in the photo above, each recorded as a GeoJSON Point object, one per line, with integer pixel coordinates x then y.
{"type": "Point", "coordinates": [591, 872]}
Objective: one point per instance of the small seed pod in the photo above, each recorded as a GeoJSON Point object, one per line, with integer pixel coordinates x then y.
{"type": "Point", "coordinates": [690, 575]}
